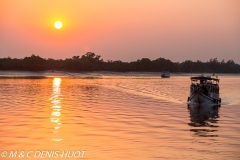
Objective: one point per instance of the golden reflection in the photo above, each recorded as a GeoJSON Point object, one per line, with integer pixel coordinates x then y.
{"type": "Point", "coordinates": [56, 107]}
{"type": "Point", "coordinates": [57, 82]}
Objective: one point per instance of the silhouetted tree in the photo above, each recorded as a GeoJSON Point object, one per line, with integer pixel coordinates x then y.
{"type": "Point", "coordinates": [92, 62]}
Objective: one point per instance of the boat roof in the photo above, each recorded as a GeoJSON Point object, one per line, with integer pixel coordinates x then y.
{"type": "Point", "coordinates": [204, 78]}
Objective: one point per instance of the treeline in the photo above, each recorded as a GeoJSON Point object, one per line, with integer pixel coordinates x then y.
{"type": "Point", "coordinates": [92, 62]}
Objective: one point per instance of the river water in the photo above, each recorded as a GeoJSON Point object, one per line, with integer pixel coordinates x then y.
{"type": "Point", "coordinates": [114, 116]}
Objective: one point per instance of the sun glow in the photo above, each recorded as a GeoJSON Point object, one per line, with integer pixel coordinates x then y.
{"type": "Point", "coordinates": [58, 25]}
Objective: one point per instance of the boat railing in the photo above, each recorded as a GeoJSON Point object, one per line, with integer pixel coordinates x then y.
{"type": "Point", "coordinates": [205, 88]}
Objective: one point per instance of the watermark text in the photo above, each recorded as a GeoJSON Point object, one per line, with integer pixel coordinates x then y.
{"type": "Point", "coordinates": [43, 154]}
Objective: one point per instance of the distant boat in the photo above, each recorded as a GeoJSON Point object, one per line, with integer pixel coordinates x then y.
{"type": "Point", "coordinates": [204, 90]}
{"type": "Point", "coordinates": [165, 74]}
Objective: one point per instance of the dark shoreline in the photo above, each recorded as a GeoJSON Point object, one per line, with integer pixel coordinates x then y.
{"type": "Point", "coordinates": [116, 72]}
{"type": "Point", "coordinates": [91, 62]}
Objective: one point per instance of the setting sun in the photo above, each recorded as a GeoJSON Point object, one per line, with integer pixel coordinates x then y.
{"type": "Point", "coordinates": [58, 25]}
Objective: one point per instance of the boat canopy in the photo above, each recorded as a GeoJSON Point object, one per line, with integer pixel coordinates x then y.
{"type": "Point", "coordinates": [204, 78]}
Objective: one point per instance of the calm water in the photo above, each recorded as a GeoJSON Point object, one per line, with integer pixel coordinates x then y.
{"type": "Point", "coordinates": [116, 116]}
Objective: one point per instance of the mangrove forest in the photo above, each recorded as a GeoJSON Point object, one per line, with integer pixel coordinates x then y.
{"type": "Point", "coordinates": [92, 62]}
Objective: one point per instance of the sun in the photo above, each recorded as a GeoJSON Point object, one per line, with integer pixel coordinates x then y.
{"type": "Point", "coordinates": [58, 25]}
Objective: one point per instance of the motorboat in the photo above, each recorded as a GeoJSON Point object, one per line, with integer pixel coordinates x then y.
{"type": "Point", "coordinates": [165, 74]}
{"type": "Point", "coordinates": [204, 90]}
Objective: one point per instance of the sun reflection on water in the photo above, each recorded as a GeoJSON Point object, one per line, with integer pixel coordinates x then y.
{"type": "Point", "coordinates": [56, 107]}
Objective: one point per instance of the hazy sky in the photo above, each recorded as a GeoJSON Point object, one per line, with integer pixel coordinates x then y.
{"type": "Point", "coordinates": [124, 30]}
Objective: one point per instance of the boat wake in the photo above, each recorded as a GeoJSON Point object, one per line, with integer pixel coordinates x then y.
{"type": "Point", "coordinates": [147, 94]}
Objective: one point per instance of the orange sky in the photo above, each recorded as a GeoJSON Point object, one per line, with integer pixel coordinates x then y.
{"type": "Point", "coordinates": [121, 30]}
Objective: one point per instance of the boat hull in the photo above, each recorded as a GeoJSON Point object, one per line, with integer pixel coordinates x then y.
{"type": "Point", "coordinates": [165, 76]}
{"type": "Point", "coordinates": [202, 99]}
